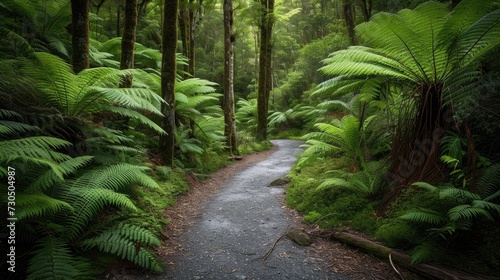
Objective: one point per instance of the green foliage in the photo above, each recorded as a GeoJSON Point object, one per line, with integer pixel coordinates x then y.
{"type": "Point", "coordinates": [59, 197]}
{"type": "Point", "coordinates": [246, 115]}
{"type": "Point", "coordinates": [462, 210]}
{"type": "Point", "coordinates": [328, 207]}
{"type": "Point", "coordinates": [90, 91]}
{"type": "Point", "coordinates": [127, 242]}
{"type": "Point", "coordinates": [344, 135]}
{"type": "Point", "coordinates": [54, 260]}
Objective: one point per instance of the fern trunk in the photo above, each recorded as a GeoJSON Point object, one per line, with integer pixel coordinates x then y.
{"type": "Point", "coordinates": [416, 146]}
{"type": "Point", "coordinates": [229, 112]}
{"type": "Point", "coordinates": [80, 34]}
{"type": "Point", "coordinates": [168, 76]}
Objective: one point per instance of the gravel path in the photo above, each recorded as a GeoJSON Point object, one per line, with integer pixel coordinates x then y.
{"type": "Point", "coordinates": [239, 226]}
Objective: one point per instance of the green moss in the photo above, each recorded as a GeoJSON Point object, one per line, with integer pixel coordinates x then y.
{"type": "Point", "coordinates": [151, 203]}
{"type": "Point", "coordinates": [397, 234]}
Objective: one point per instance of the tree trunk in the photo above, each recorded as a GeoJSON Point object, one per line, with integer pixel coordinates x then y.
{"type": "Point", "coordinates": [265, 81]}
{"type": "Point", "coordinates": [189, 11]}
{"type": "Point", "coordinates": [366, 9]}
{"type": "Point", "coordinates": [128, 41]}
{"type": "Point", "coordinates": [229, 118]}
{"type": "Point", "coordinates": [168, 75]}
{"type": "Point", "coordinates": [80, 34]}
{"type": "Point", "coordinates": [184, 30]}
{"type": "Point", "coordinates": [348, 10]}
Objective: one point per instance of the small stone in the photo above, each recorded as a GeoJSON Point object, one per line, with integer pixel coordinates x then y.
{"type": "Point", "coordinates": [298, 236]}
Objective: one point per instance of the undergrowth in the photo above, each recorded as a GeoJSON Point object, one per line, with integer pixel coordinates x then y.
{"type": "Point", "coordinates": [472, 237]}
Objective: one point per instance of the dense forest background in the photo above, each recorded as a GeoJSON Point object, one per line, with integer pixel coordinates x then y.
{"type": "Point", "coordinates": [109, 108]}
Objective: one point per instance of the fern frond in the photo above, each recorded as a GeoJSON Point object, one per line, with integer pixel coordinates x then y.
{"type": "Point", "coordinates": [458, 194]}
{"type": "Point", "coordinates": [12, 127]}
{"type": "Point", "coordinates": [488, 182]}
{"type": "Point", "coordinates": [53, 260]}
{"type": "Point", "coordinates": [487, 205]}
{"type": "Point", "coordinates": [38, 205]}
{"type": "Point", "coordinates": [50, 177]}
{"type": "Point", "coordinates": [133, 114]}
{"type": "Point", "coordinates": [122, 240]}
{"type": "Point", "coordinates": [425, 185]}
{"type": "Point", "coordinates": [467, 212]}
{"type": "Point", "coordinates": [425, 216]}
{"type": "Point", "coordinates": [115, 177]}
{"type": "Point", "coordinates": [87, 203]}
{"type": "Point", "coordinates": [331, 183]}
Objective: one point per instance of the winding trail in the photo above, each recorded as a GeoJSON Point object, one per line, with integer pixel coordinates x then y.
{"type": "Point", "coordinates": [239, 226]}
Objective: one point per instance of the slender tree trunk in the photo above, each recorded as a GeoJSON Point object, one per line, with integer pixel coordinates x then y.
{"type": "Point", "coordinates": [118, 19]}
{"type": "Point", "coordinates": [168, 75]}
{"type": "Point", "coordinates": [348, 10]}
{"type": "Point", "coordinates": [189, 12]}
{"type": "Point", "coordinates": [80, 34]}
{"type": "Point", "coordinates": [366, 9]}
{"type": "Point", "coordinates": [229, 118]}
{"type": "Point", "coordinates": [128, 41]}
{"type": "Point", "coordinates": [184, 30]}
{"type": "Point", "coordinates": [265, 81]}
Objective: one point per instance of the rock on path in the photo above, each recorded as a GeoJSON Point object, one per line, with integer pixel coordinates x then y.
{"type": "Point", "coordinates": [239, 226]}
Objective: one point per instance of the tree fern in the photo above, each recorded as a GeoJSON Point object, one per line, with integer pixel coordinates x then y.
{"type": "Point", "coordinates": [428, 50]}
{"type": "Point", "coordinates": [91, 90]}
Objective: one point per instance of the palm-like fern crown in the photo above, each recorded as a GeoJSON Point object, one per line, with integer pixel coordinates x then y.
{"type": "Point", "coordinates": [425, 46]}
{"type": "Point", "coordinates": [91, 90]}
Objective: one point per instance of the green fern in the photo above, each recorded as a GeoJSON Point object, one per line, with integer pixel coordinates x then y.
{"type": "Point", "coordinates": [127, 242]}
{"type": "Point", "coordinates": [38, 205]}
{"type": "Point", "coordinates": [425, 216]}
{"type": "Point", "coordinates": [92, 90]}
{"type": "Point", "coordinates": [54, 260]}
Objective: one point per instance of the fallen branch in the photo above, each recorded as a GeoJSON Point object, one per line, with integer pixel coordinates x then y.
{"type": "Point", "coordinates": [427, 270]}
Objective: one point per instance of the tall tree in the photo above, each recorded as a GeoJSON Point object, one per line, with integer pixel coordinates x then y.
{"type": "Point", "coordinates": [348, 12]}
{"type": "Point", "coordinates": [80, 34]}
{"type": "Point", "coordinates": [228, 104]}
{"type": "Point", "coordinates": [128, 41]}
{"type": "Point", "coordinates": [168, 76]}
{"type": "Point", "coordinates": [190, 15]}
{"type": "Point", "coordinates": [265, 73]}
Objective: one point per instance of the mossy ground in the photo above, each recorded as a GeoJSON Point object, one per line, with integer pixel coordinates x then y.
{"type": "Point", "coordinates": [475, 250]}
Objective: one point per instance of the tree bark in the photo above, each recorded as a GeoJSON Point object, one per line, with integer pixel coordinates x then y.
{"type": "Point", "coordinates": [168, 75]}
{"type": "Point", "coordinates": [228, 104]}
{"type": "Point", "coordinates": [80, 34]}
{"type": "Point", "coordinates": [265, 74]}
{"type": "Point", "coordinates": [128, 41]}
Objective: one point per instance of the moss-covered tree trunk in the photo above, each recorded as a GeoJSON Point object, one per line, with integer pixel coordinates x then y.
{"type": "Point", "coordinates": [128, 41]}
{"type": "Point", "coordinates": [80, 34]}
{"type": "Point", "coordinates": [265, 74]}
{"type": "Point", "coordinates": [168, 75]}
{"type": "Point", "coordinates": [229, 118]}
